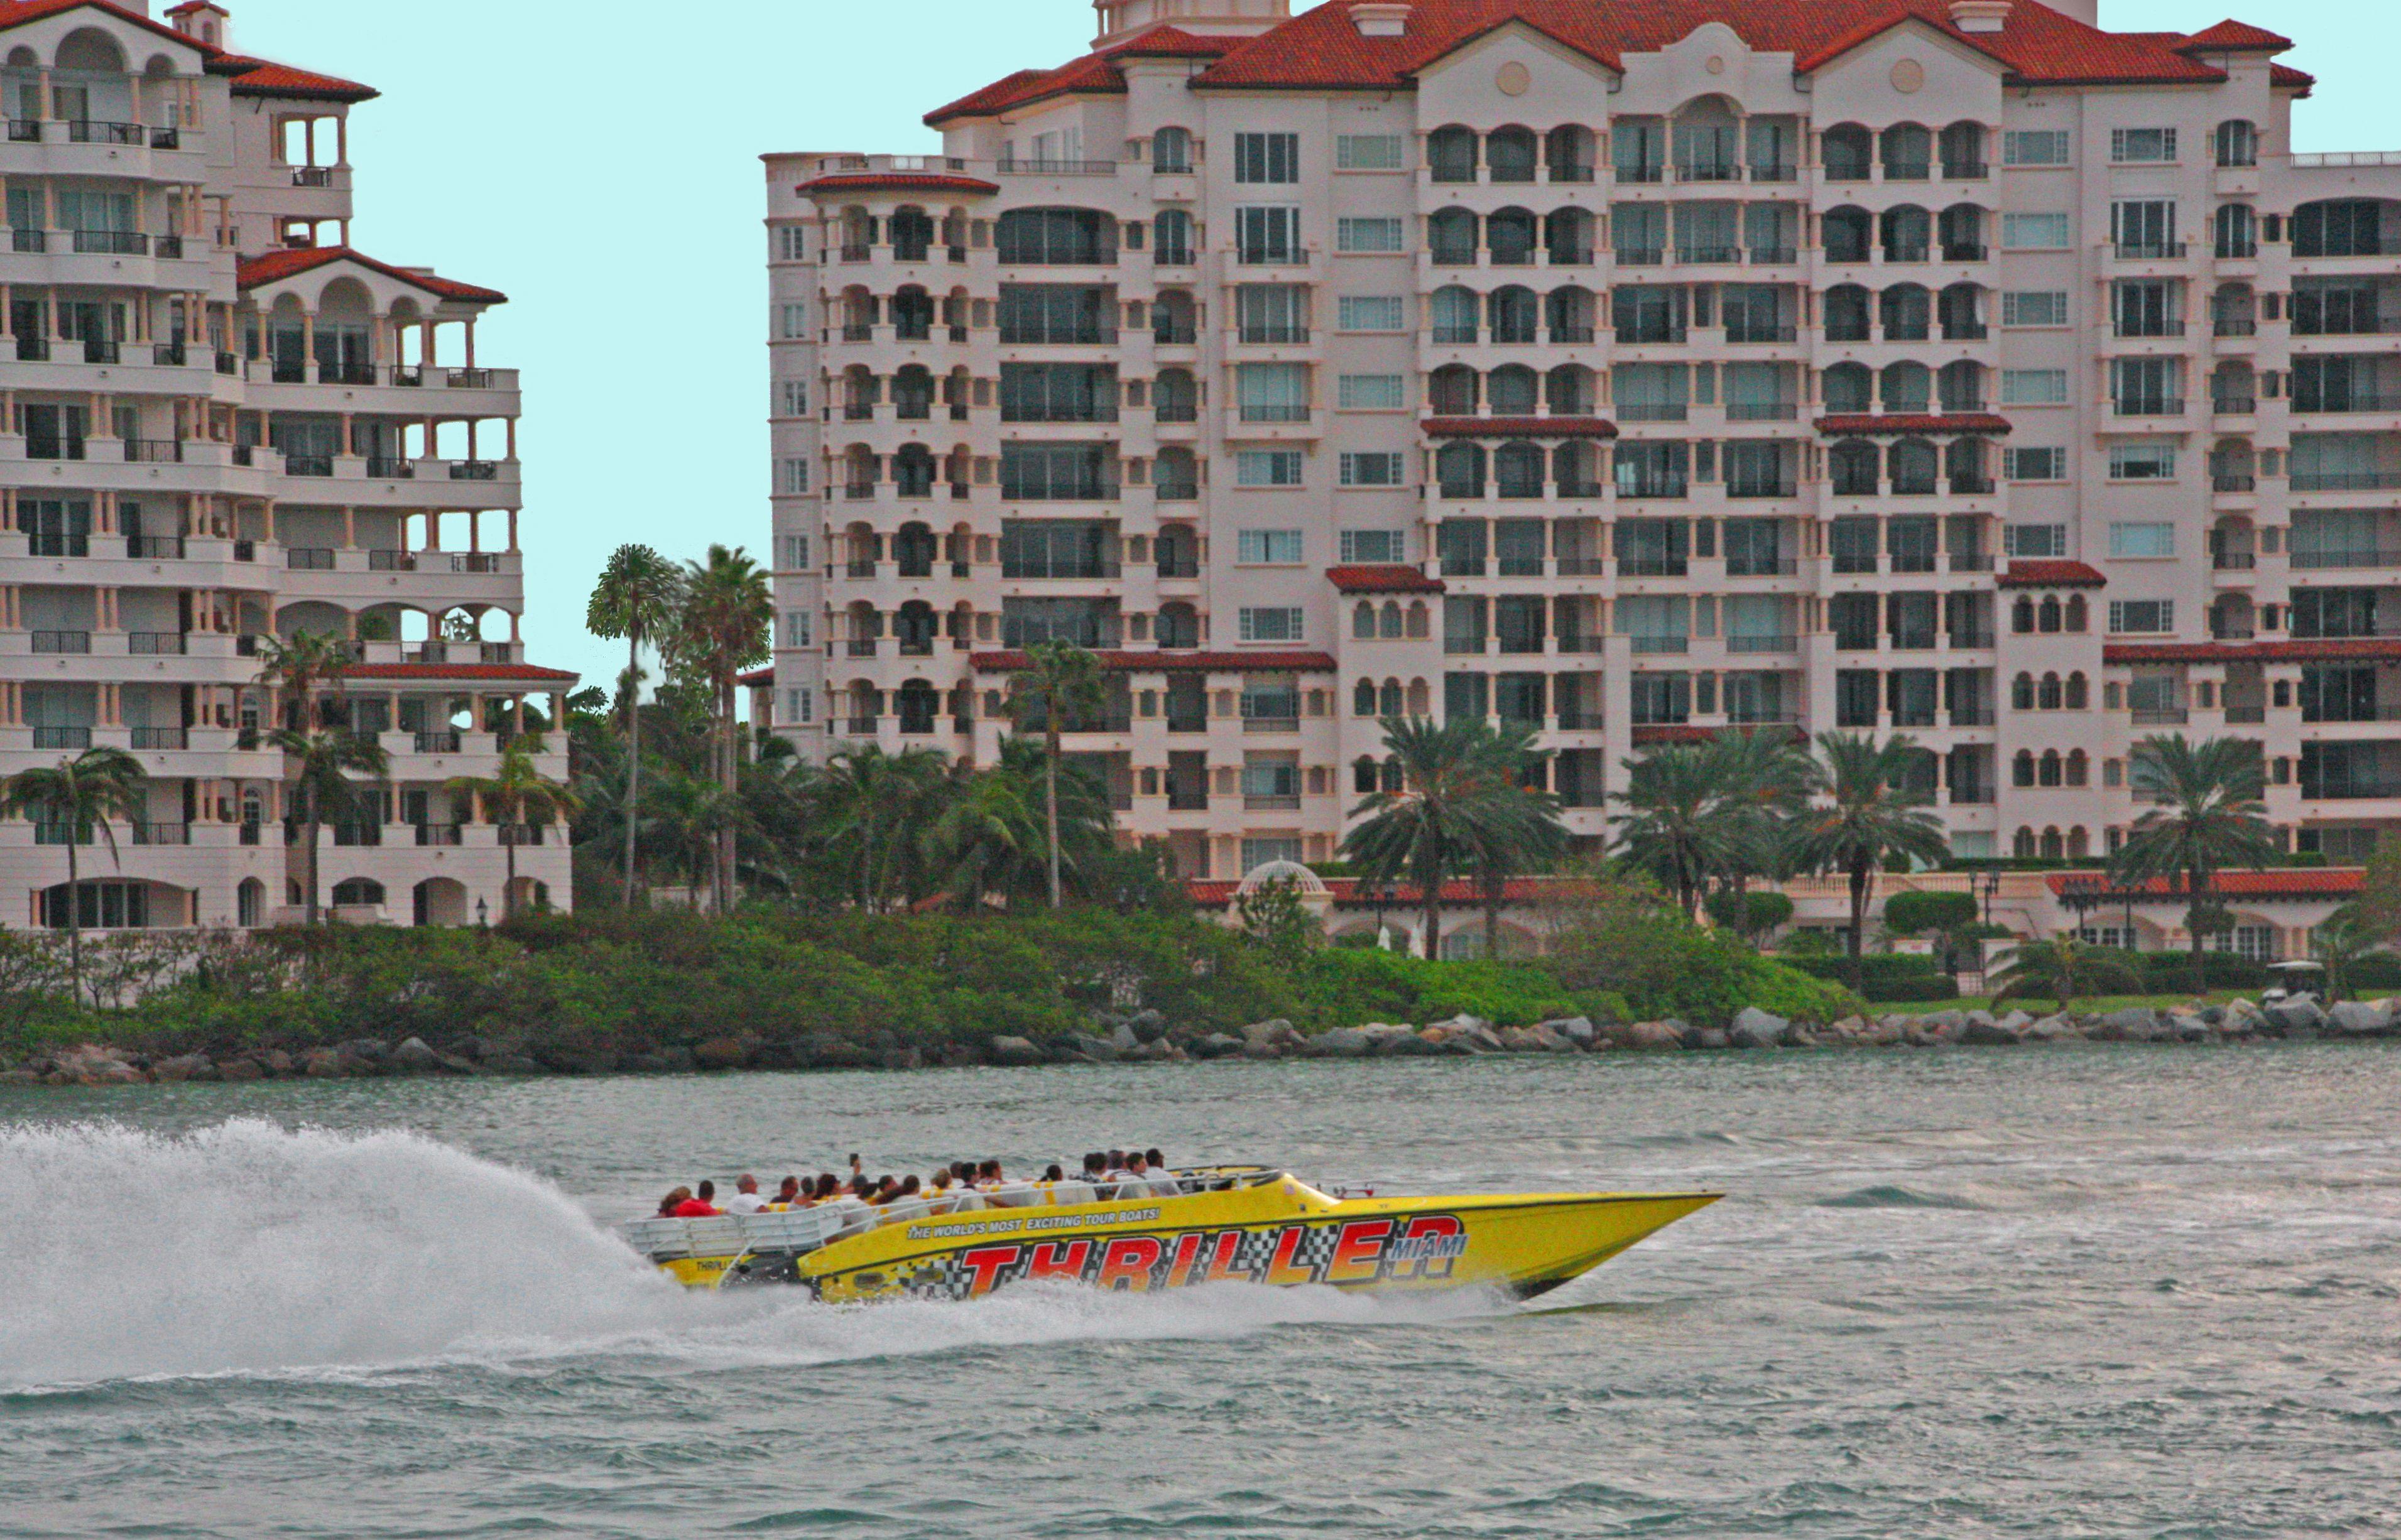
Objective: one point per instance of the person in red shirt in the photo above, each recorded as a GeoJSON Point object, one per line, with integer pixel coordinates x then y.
{"type": "Point", "coordinates": [699, 1207]}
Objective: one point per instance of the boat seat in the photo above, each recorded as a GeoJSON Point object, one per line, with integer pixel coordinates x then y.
{"type": "Point", "coordinates": [1066, 1193]}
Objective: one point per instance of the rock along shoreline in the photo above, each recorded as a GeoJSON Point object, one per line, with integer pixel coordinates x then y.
{"type": "Point", "coordinates": [1144, 1037]}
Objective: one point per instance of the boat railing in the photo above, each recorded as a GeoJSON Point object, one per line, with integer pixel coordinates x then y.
{"type": "Point", "coordinates": [791, 1232]}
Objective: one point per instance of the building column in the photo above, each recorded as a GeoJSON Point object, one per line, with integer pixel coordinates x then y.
{"type": "Point", "coordinates": [308, 346]}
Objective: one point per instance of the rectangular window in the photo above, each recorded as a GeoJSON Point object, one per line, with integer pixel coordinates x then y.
{"type": "Point", "coordinates": [1273, 392]}
{"type": "Point", "coordinates": [2142, 462]}
{"type": "Point", "coordinates": [2142, 540]}
{"type": "Point", "coordinates": [1367, 152]}
{"type": "Point", "coordinates": [1259, 850]}
{"type": "Point", "coordinates": [2145, 228]}
{"type": "Point", "coordinates": [1371, 393]}
{"type": "Point", "coordinates": [1366, 234]}
{"type": "Point", "coordinates": [2034, 308]}
{"type": "Point", "coordinates": [791, 242]}
{"type": "Point", "coordinates": [1266, 776]}
{"type": "Point", "coordinates": [1373, 547]}
{"type": "Point", "coordinates": [2142, 146]}
{"type": "Point", "coordinates": [799, 705]}
{"type": "Point", "coordinates": [2034, 232]}
{"type": "Point", "coordinates": [796, 552]}
{"type": "Point", "coordinates": [2033, 147]}
{"type": "Point", "coordinates": [1370, 469]}
{"type": "Point", "coordinates": [1265, 624]}
{"type": "Point", "coordinates": [1267, 467]}
{"type": "Point", "coordinates": [2030, 464]}
{"type": "Point", "coordinates": [796, 628]}
{"type": "Point", "coordinates": [796, 398]}
{"type": "Point", "coordinates": [1271, 312]}
{"type": "Point", "coordinates": [1267, 234]}
{"type": "Point", "coordinates": [791, 320]}
{"type": "Point", "coordinates": [2034, 387]}
{"type": "Point", "coordinates": [1268, 547]}
{"type": "Point", "coordinates": [1267, 158]}
{"type": "Point", "coordinates": [2035, 540]}
{"type": "Point", "coordinates": [796, 477]}
{"type": "Point", "coordinates": [1373, 313]}
{"type": "Point", "coordinates": [2135, 616]}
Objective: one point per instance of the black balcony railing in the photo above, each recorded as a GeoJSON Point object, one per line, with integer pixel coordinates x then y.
{"type": "Point", "coordinates": [112, 242]}
{"type": "Point", "coordinates": [474, 471]}
{"type": "Point", "coordinates": [307, 465]}
{"type": "Point", "coordinates": [62, 641]}
{"type": "Point", "coordinates": [155, 644]}
{"type": "Point", "coordinates": [62, 738]}
{"type": "Point", "coordinates": [161, 738]}
{"type": "Point", "coordinates": [308, 558]}
{"type": "Point", "coordinates": [313, 176]}
{"type": "Point", "coordinates": [442, 740]}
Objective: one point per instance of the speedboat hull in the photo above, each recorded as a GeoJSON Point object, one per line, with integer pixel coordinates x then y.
{"type": "Point", "coordinates": [1278, 1232]}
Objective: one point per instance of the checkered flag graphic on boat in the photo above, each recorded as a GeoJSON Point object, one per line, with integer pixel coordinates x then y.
{"type": "Point", "coordinates": [942, 1278]}
{"type": "Point", "coordinates": [1316, 1247]}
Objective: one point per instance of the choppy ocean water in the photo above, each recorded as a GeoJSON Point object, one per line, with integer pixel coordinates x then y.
{"type": "Point", "coordinates": [2089, 1291]}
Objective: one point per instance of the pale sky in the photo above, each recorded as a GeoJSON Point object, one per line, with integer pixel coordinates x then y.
{"type": "Point", "coordinates": [599, 161]}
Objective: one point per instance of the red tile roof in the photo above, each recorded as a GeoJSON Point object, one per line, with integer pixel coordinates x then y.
{"type": "Point", "coordinates": [2234, 37]}
{"type": "Point", "coordinates": [2317, 650]}
{"type": "Point", "coordinates": [1519, 427]}
{"type": "Point", "coordinates": [1146, 663]}
{"type": "Point", "coordinates": [266, 78]}
{"type": "Point", "coordinates": [2286, 77]}
{"type": "Point", "coordinates": [1322, 49]}
{"type": "Point", "coordinates": [497, 672]}
{"type": "Point", "coordinates": [1684, 732]}
{"type": "Point", "coordinates": [756, 677]}
{"type": "Point", "coordinates": [1350, 893]}
{"type": "Point", "coordinates": [2278, 882]}
{"type": "Point", "coordinates": [1382, 580]}
{"type": "Point", "coordinates": [1095, 73]}
{"type": "Point", "coordinates": [1913, 422]}
{"type": "Point", "coordinates": [274, 267]}
{"type": "Point", "coordinates": [895, 182]}
{"type": "Point", "coordinates": [2051, 574]}
{"type": "Point", "coordinates": [16, 13]}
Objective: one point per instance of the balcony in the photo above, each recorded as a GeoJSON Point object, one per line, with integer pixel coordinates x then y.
{"type": "Point", "coordinates": [313, 176]}
{"type": "Point", "coordinates": [62, 738]}
{"type": "Point", "coordinates": [162, 834]}
{"type": "Point", "coordinates": [1037, 166]}
{"type": "Point", "coordinates": [442, 742]}
{"type": "Point", "coordinates": [440, 834]}
{"type": "Point", "coordinates": [2345, 480]}
{"type": "Point", "coordinates": [1271, 724]}
{"type": "Point", "coordinates": [2148, 406]}
{"type": "Point", "coordinates": [1648, 645]}
{"type": "Point", "coordinates": [308, 558]}
{"type": "Point", "coordinates": [2353, 401]}
{"type": "Point", "coordinates": [111, 242]}
{"type": "Point", "coordinates": [62, 641]}
{"type": "Point", "coordinates": [2149, 251]}
{"type": "Point", "coordinates": [2379, 556]}
{"type": "Point", "coordinates": [161, 738]}
{"type": "Point", "coordinates": [2160, 716]}
{"type": "Point", "coordinates": [155, 644]}
{"type": "Point", "coordinates": [1762, 644]}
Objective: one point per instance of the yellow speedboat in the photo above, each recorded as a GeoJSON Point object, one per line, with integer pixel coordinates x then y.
{"type": "Point", "coordinates": [1245, 1224]}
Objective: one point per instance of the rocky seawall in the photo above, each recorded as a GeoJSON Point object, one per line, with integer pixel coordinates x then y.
{"type": "Point", "coordinates": [1144, 1037]}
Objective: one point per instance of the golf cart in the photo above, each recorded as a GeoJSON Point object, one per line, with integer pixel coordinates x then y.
{"type": "Point", "coordinates": [2296, 981]}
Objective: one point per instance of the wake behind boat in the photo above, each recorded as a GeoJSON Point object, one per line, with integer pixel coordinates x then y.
{"type": "Point", "coordinates": [1214, 1224]}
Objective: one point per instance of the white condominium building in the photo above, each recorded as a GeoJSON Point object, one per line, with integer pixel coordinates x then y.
{"type": "Point", "coordinates": [224, 424]}
{"type": "Point", "coordinates": [1632, 370]}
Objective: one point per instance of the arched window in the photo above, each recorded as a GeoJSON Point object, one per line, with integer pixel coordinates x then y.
{"type": "Point", "coordinates": [1170, 243]}
{"type": "Point", "coordinates": [1569, 149]}
{"type": "Point", "coordinates": [2076, 699]}
{"type": "Point", "coordinates": [2237, 228]}
{"type": "Point", "coordinates": [913, 234]}
{"type": "Point", "coordinates": [1451, 154]}
{"type": "Point", "coordinates": [1854, 465]}
{"type": "Point", "coordinates": [2053, 848]}
{"type": "Point", "coordinates": [1171, 150]}
{"type": "Point", "coordinates": [1056, 236]}
{"type": "Point", "coordinates": [2237, 143]}
{"type": "Point", "coordinates": [2021, 843]}
{"type": "Point", "coordinates": [1174, 397]}
{"type": "Point", "coordinates": [1419, 630]}
{"type": "Point", "coordinates": [2049, 775]}
{"type": "Point", "coordinates": [1396, 779]}
{"type": "Point", "coordinates": [2022, 693]}
{"type": "Point", "coordinates": [2050, 613]}
{"type": "Point", "coordinates": [1516, 313]}
{"type": "Point", "coordinates": [1178, 625]}
{"type": "Point", "coordinates": [2022, 616]}
{"type": "Point", "coordinates": [1906, 387]}
{"type": "Point", "coordinates": [1363, 776]}
{"type": "Point", "coordinates": [1961, 230]}
{"type": "Point", "coordinates": [1850, 388]}
{"type": "Point", "coordinates": [1511, 236]}
{"type": "Point", "coordinates": [1963, 153]}
{"type": "Point", "coordinates": [1846, 313]}
{"type": "Point", "coordinates": [1962, 313]}
{"type": "Point", "coordinates": [1362, 694]}
{"type": "Point", "coordinates": [1517, 467]}
{"type": "Point", "coordinates": [912, 469]}
{"type": "Point", "coordinates": [2050, 696]}
{"type": "Point", "coordinates": [1451, 236]}
{"type": "Point", "coordinates": [1848, 152]}
{"type": "Point", "coordinates": [2077, 766]}
{"type": "Point", "coordinates": [912, 315]}
{"type": "Point", "coordinates": [1511, 154]}
{"type": "Point", "coordinates": [1907, 233]}
{"type": "Point", "coordinates": [1907, 312]}
{"type": "Point", "coordinates": [1515, 391]}
{"type": "Point", "coordinates": [1459, 469]}
{"type": "Point", "coordinates": [1363, 628]}
{"type": "Point", "coordinates": [2078, 845]}
{"type": "Point", "coordinates": [357, 893]}
{"type": "Point", "coordinates": [1457, 315]}
{"type": "Point", "coordinates": [250, 903]}
{"type": "Point", "coordinates": [1961, 387]}
{"type": "Point", "coordinates": [2022, 768]}
{"type": "Point", "coordinates": [1388, 623]}
{"type": "Point", "coordinates": [2075, 614]}
{"type": "Point", "coordinates": [1568, 237]}
{"type": "Point", "coordinates": [1451, 391]}
{"type": "Point", "coordinates": [1908, 152]}
{"type": "Point", "coordinates": [913, 548]}
{"type": "Point", "coordinates": [1568, 389]}
{"type": "Point", "coordinates": [1848, 233]}
{"type": "Point", "coordinates": [1916, 467]}
{"type": "Point", "coordinates": [1390, 705]}
{"type": "Point", "coordinates": [914, 626]}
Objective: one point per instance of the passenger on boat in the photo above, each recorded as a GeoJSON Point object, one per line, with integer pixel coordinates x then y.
{"type": "Point", "coordinates": [1053, 1173]}
{"type": "Point", "coordinates": [1095, 1164]}
{"type": "Point", "coordinates": [891, 1192]}
{"type": "Point", "coordinates": [1158, 1163]}
{"type": "Point", "coordinates": [674, 1199]}
{"type": "Point", "coordinates": [791, 1195]}
{"type": "Point", "coordinates": [988, 1176]}
{"type": "Point", "coordinates": [698, 1208]}
{"type": "Point", "coordinates": [746, 1199]}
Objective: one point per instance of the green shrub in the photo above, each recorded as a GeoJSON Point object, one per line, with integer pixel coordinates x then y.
{"type": "Point", "coordinates": [1916, 913]}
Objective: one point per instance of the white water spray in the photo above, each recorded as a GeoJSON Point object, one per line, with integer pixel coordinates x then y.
{"type": "Point", "coordinates": [248, 1249]}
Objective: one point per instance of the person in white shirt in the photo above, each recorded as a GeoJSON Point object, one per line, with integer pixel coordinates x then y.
{"type": "Point", "coordinates": [745, 1198]}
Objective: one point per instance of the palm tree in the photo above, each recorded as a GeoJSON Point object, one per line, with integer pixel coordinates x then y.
{"type": "Point", "coordinates": [515, 797]}
{"type": "Point", "coordinates": [635, 598]}
{"type": "Point", "coordinates": [2207, 813]}
{"type": "Point", "coordinates": [1677, 829]}
{"type": "Point", "coordinates": [1872, 815]}
{"type": "Point", "coordinates": [1763, 780]}
{"type": "Point", "coordinates": [1453, 788]}
{"type": "Point", "coordinates": [724, 628]}
{"type": "Point", "coordinates": [871, 798]}
{"type": "Point", "coordinates": [318, 762]}
{"type": "Point", "coordinates": [2062, 970]}
{"type": "Point", "coordinates": [93, 788]}
{"type": "Point", "coordinates": [2340, 941]}
{"type": "Point", "coordinates": [294, 669]}
{"type": "Point", "coordinates": [989, 834]}
{"type": "Point", "coordinates": [1520, 829]}
{"type": "Point", "coordinates": [1066, 679]}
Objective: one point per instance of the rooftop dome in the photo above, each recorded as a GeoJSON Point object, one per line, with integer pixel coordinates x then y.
{"type": "Point", "coordinates": [1258, 876]}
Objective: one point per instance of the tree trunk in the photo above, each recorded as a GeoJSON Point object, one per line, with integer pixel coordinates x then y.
{"type": "Point", "coordinates": [1495, 889]}
{"type": "Point", "coordinates": [1860, 873]}
{"type": "Point", "coordinates": [75, 914]}
{"type": "Point", "coordinates": [2195, 879]}
{"type": "Point", "coordinates": [728, 778]}
{"type": "Point", "coordinates": [1050, 792]}
{"type": "Point", "coordinates": [509, 893]}
{"type": "Point", "coordinates": [313, 827]}
{"type": "Point", "coordinates": [1432, 897]}
{"type": "Point", "coordinates": [633, 751]}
